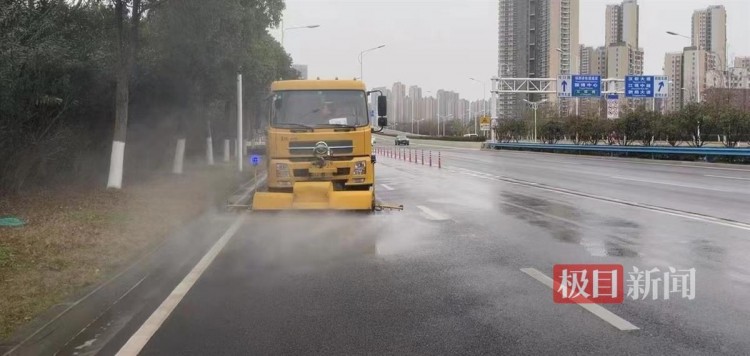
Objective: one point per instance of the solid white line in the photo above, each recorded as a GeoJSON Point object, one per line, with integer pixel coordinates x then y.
{"type": "Point", "coordinates": [725, 177]}
{"type": "Point", "coordinates": [668, 211]}
{"type": "Point", "coordinates": [432, 214]}
{"type": "Point", "coordinates": [620, 159]}
{"type": "Point", "coordinates": [595, 309]}
{"type": "Point", "coordinates": [672, 184]}
{"type": "Point", "coordinates": [387, 187]}
{"type": "Point", "coordinates": [138, 340]}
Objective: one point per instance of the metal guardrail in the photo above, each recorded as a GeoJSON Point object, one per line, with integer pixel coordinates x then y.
{"type": "Point", "coordinates": [700, 151]}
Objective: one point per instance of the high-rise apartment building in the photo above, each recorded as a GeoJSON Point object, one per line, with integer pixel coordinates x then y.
{"type": "Point", "coordinates": [673, 70]}
{"type": "Point", "coordinates": [695, 64]}
{"type": "Point", "coordinates": [600, 61]}
{"type": "Point", "coordinates": [622, 23]}
{"type": "Point", "coordinates": [397, 103]}
{"type": "Point", "coordinates": [414, 110]}
{"type": "Point", "coordinates": [709, 29]}
{"type": "Point", "coordinates": [623, 55]}
{"type": "Point", "coordinates": [530, 32]}
{"type": "Point", "coordinates": [587, 58]}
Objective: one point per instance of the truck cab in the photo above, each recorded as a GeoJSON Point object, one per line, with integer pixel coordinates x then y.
{"type": "Point", "coordinates": [319, 146]}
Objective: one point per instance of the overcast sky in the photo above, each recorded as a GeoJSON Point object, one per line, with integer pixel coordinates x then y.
{"type": "Point", "coordinates": [439, 44]}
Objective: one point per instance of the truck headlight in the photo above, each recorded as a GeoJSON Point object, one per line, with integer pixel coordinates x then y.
{"type": "Point", "coordinates": [360, 168]}
{"type": "Point", "coordinates": [282, 170]}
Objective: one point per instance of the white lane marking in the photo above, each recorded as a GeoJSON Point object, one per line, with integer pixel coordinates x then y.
{"type": "Point", "coordinates": [668, 211]}
{"type": "Point", "coordinates": [432, 214]}
{"type": "Point", "coordinates": [387, 187]}
{"type": "Point", "coordinates": [138, 340]}
{"type": "Point", "coordinates": [673, 184]}
{"type": "Point", "coordinates": [725, 177]}
{"type": "Point", "coordinates": [619, 160]}
{"type": "Point", "coordinates": [595, 309]}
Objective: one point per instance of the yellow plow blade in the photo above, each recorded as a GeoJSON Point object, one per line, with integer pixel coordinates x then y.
{"type": "Point", "coordinates": [314, 196]}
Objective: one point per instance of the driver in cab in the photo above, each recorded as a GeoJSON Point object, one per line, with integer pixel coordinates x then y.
{"type": "Point", "coordinates": [333, 114]}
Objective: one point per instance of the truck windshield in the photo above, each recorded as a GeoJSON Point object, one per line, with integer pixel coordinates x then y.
{"type": "Point", "coordinates": [319, 108]}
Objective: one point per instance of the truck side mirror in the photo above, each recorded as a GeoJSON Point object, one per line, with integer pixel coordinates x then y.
{"type": "Point", "coordinates": [382, 106]}
{"type": "Point", "coordinates": [382, 121]}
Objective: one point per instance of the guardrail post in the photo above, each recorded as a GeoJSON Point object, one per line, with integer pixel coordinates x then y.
{"type": "Point", "coordinates": [430, 158]}
{"type": "Point", "coordinates": [409, 155]}
{"type": "Point", "coordinates": [423, 157]}
{"type": "Point", "coordinates": [440, 165]}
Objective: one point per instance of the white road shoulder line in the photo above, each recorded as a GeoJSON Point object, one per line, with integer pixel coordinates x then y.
{"type": "Point", "coordinates": [725, 177]}
{"type": "Point", "coordinates": [141, 337]}
{"type": "Point", "coordinates": [595, 309]}
{"type": "Point", "coordinates": [672, 184]}
{"type": "Point", "coordinates": [387, 187]}
{"type": "Point", "coordinates": [432, 214]}
{"type": "Point", "coordinates": [668, 211]}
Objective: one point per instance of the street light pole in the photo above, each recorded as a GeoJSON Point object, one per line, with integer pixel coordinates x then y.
{"type": "Point", "coordinates": [361, 60]}
{"type": "Point", "coordinates": [283, 30]}
{"type": "Point", "coordinates": [535, 107]}
{"type": "Point", "coordinates": [484, 102]}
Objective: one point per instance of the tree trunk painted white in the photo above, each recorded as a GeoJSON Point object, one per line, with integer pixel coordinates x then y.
{"type": "Point", "coordinates": [227, 150]}
{"type": "Point", "coordinates": [240, 140]}
{"type": "Point", "coordinates": [179, 156]}
{"type": "Point", "coordinates": [116, 161]}
{"type": "Point", "coordinates": [210, 151]}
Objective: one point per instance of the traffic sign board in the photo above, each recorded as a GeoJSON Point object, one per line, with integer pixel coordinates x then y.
{"type": "Point", "coordinates": [484, 123]}
{"type": "Point", "coordinates": [564, 86]}
{"type": "Point", "coordinates": [661, 82]}
{"type": "Point", "coordinates": [646, 86]}
{"type": "Point", "coordinates": [579, 86]}
{"type": "Point", "coordinates": [613, 111]}
{"type": "Point", "coordinates": [254, 160]}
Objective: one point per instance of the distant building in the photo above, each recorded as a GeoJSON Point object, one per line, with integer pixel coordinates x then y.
{"type": "Point", "coordinates": [397, 103]}
{"type": "Point", "coordinates": [709, 29]}
{"type": "Point", "coordinates": [623, 54]}
{"type": "Point", "coordinates": [529, 36]}
{"type": "Point", "coordinates": [414, 110]}
{"type": "Point", "coordinates": [673, 70]}
{"type": "Point", "coordinates": [742, 62]}
{"type": "Point", "coordinates": [599, 61]}
{"type": "Point", "coordinates": [301, 69]}
{"type": "Point", "coordinates": [587, 57]}
{"type": "Point", "coordinates": [695, 64]}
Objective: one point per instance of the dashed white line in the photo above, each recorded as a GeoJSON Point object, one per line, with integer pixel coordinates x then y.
{"type": "Point", "coordinates": [595, 309]}
{"type": "Point", "coordinates": [387, 187]}
{"type": "Point", "coordinates": [138, 340]}
{"type": "Point", "coordinates": [725, 177]}
{"type": "Point", "coordinates": [432, 214]}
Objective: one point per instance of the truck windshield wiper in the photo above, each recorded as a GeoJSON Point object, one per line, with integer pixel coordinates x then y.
{"type": "Point", "coordinates": [294, 124]}
{"type": "Point", "coordinates": [339, 125]}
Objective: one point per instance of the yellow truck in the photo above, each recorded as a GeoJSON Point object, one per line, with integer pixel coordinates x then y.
{"type": "Point", "coordinates": [319, 146]}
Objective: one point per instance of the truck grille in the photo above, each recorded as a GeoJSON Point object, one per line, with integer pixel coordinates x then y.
{"type": "Point", "coordinates": [306, 147]}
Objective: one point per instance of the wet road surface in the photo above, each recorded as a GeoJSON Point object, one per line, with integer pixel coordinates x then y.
{"type": "Point", "coordinates": [445, 275]}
